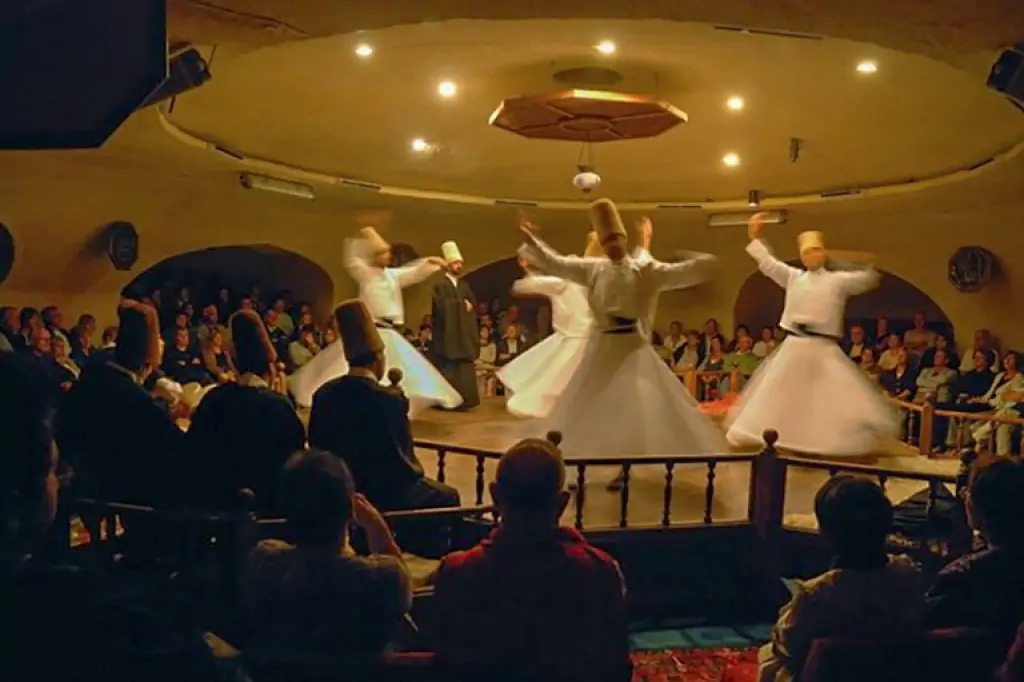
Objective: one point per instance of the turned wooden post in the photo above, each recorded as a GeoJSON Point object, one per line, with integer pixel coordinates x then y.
{"type": "Point", "coordinates": [690, 381]}
{"type": "Point", "coordinates": [767, 501]}
{"type": "Point", "coordinates": [926, 428]}
{"type": "Point", "coordinates": [734, 380]}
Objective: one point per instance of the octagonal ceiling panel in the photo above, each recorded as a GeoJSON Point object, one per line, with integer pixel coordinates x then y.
{"type": "Point", "coordinates": [315, 105]}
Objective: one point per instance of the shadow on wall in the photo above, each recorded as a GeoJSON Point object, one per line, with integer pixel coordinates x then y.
{"type": "Point", "coordinates": [759, 304]}
{"type": "Point", "coordinates": [494, 281]}
{"type": "Point", "coordinates": [239, 267]}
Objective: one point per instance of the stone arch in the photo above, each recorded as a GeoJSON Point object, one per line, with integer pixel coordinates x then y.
{"type": "Point", "coordinates": [239, 266]}
{"type": "Point", "coordinates": [759, 304]}
{"type": "Point", "coordinates": [494, 281]}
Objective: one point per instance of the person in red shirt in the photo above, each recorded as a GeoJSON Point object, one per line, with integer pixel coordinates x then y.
{"type": "Point", "coordinates": [534, 600]}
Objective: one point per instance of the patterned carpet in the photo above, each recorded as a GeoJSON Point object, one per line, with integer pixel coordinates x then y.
{"type": "Point", "coordinates": [688, 665]}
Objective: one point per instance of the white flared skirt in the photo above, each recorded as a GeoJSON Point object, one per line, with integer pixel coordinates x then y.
{"type": "Point", "coordinates": [818, 401]}
{"type": "Point", "coordinates": [538, 376]}
{"type": "Point", "coordinates": [422, 383]}
{"type": "Point", "coordinates": [624, 401]}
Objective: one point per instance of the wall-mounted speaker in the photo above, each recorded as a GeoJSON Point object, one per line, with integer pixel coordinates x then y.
{"type": "Point", "coordinates": [188, 70]}
{"type": "Point", "coordinates": [1007, 74]}
{"type": "Point", "coordinates": [122, 245]}
{"type": "Point", "coordinates": [6, 252]}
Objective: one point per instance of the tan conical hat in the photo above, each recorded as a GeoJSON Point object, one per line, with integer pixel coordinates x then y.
{"type": "Point", "coordinates": [810, 240]}
{"type": "Point", "coordinates": [605, 218]}
{"type": "Point", "coordinates": [374, 242]}
{"type": "Point", "coordinates": [253, 348]}
{"type": "Point", "coordinates": [359, 335]}
{"type": "Point", "coordinates": [593, 249]}
{"type": "Point", "coordinates": [139, 327]}
{"type": "Point", "coordinates": [450, 252]}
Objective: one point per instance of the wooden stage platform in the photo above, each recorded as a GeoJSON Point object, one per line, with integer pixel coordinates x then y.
{"type": "Point", "coordinates": [490, 427]}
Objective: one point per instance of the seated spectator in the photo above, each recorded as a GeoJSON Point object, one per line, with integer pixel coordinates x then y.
{"type": "Point", "coordinates": [53, 319]}
{"type": "Point", "coordinates": [986, 588]}
{"type": "Point", "coordinates": [534, 601]}
{"type": "Point", "coordinates": [918, 338]}
{"type": "Point", "coordinates": [182, 363]}
{"type": "Point", "coordinates": [855, 343]}
{"type": "Point", "coordinates": [81, 346]}
{"type": "Point", "coordinates": [710, 385]}
{"type": "Point", "coordinates": [278, 337]}
{"type": "Point", "coordinates": [101, 635]}
{"type": "Point", "coordinates": [29, 322]}
{"type": "Point", "coordinates": [899, 380]}
{"type": "Point", "coordinates": [283, 321]}
{"type": "Point", "coordinates": [691, 355]}
{"type": "Point", "coordinates": [866, 594]}
{"type": "Point", "coordinates": [367, 425]}
{"type": "Point", "coordinates": [242, 433]}
{"type": "Point", "coordinates": [10, 339]}
{"type": "Point", "coordinates": [40, 349]}
{"type": "Point", "coordinates": [766, 344]}
{"type": "Point", "coordinates": [935, 382]}
{"type": "Point", "coordinates": [217, 359]}
{"type": "Point", "coordinates": [62, 357]}
{"type": "Point", "coordinates": [181, 321]}
{"type": "Point", "coordinates": [882, 334]}
{"type": "Point", "coordinates": [660, 348]}
{"type": "Point", "coordinates": [316, 598]}
{"type": "Point", "coordinates": [425, 340]}
{"type": "Point", "coordinates": [967, 395]}
{"type": "Point", "coordinates": [742, 332]}
{"type": "Point", "coordinates": [488, 349]}
{"type": "Point", "coordinates": [109, 338]}
{"type": "Point", "coordinates": [868, 364]}
{"type": "Point", "coordinates": [984, 342]}
{"type": "Point", "coordinates": [888, 359]}
{"type": "Point", "coordinates": [512, 344]}
{"type": "Point", "coordinates": [304, 348]}
{"type": "Point", "coordinates": [330, 335]}
{"type": "Point", "coordinates": [941, 343]}
{"type": "Point", "coordinates": [1005, 398]}
{"type": "Point", "coordinates": [742, 358]}
{"type": "Point", "coordinates": [113, 430]}
{"type": "Point", "coordinates": [210, 323]}
{"type": "Point", "coordinates": [676, 338]}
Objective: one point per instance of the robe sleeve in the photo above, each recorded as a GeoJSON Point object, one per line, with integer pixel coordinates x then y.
{"type": "Point", "coordinates": [683, 275]}
{"type": "Point", "coordinates": [769, 265]}
{"type": "Point", "coordinates": [539, 285]}
{"type": "Point", "coordinates": [414, 272]}
{"type": "Point", "coordinates": [354, 260]}
{"type": "Point", "coordinates": [858, 281]}
{"type": "Point", "coordinates": [549, 261]}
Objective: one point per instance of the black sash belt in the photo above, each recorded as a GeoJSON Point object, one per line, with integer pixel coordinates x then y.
{"type": "Point", "coordinates": [620, 325]}
{"type": "Point", "coordinates": [806, 331]}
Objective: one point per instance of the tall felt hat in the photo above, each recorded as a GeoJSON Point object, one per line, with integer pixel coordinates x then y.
{"type": "Point", "coordinates": [605, 218]}
{"type": "Point", "coordinates": [138, 336]}
{"type": "Point", "coordinates": [253, 350]}
{"type": "Point", "coordinates": [593, 249]}
{"type": "Point", "coordinates": [373, 241]}
{"type": "Point", "coordinates": [450, 252]}
{"type": "Point", "coordinates": [359, 335]}
{"type": "Point", "coordinates": [810, 240]}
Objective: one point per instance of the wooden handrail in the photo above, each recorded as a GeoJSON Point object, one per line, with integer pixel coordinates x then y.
{"type": "Point", "coordinates": [866, 469]}
{"type": "Point", "coordinates": [980, 417]}
{"type": "Point", "coordinates": [451, 449]}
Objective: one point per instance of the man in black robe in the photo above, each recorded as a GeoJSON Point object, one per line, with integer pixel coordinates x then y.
{"type": "Point", "coordinates": [456, 338]}
{"type": "Point", "coordinates": [243, 433]}
{"type": "Point", "coordinates": [367, 425]}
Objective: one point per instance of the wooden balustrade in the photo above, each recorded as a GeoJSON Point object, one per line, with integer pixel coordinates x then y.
{"type": "Point", "coordinates": [693, 378]}
{"type": "Point", "coordinates": [921, 418]}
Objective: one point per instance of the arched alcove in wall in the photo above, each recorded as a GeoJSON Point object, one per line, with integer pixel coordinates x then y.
{"type": "Point", "coordinates": [239, 267]}
{"type": "Point", "coordinates": [494, 281]}
{"type": "Point", "coordinates": [759, 304]}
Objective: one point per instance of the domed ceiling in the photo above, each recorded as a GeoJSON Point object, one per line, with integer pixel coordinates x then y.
{"type": "Point", "coordinates": [787, 115]}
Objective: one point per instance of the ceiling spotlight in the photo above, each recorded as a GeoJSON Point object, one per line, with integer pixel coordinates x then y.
{"type": "Point", "coordinates": [605, 47]}
{"type": "Point", "coordinates": [735, 103]}
{"type": "Point", "coordinates": [731, 159]}
{"type": "Point", "coordinates": [364, 50]}
{"type": "Point", "coordinates": [420, 145]}
{"type": "Point", "coordinates": [867, 66]}
{"type": "Point", "coordinates": [446, 89]}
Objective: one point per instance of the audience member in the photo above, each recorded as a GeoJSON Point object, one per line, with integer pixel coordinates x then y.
{"type": "Point", "coordinates": [766, 344]}
{"type": "Point", "coordinates": [217, 359]}
{"type": "Point", "coordinates": [855, 343]}
{"type": "Point", "coordinates": [918, 338]}
{"type": "Point", "coordinates": [866, 593]}
{"type": "Point", "coordinates": [534, 601]}
{"type": "Point", "coordinates": [304, 348]}
{"type": "Point", "coordinates": [942, 343]}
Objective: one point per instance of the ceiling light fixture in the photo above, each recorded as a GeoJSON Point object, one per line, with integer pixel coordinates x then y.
{"type": "Point", "coordinates": [447, 89]}
{"type": "Point", "coordinates": [867, 66]}
{"type": "Point", "coordinates": [268, 184]}
{"type": "Point", "coordinates": [740, 219]}
{"type": "Point", "coordinates": [732, 160]}
{"type": "Point", "coordinates": [420, 145]}
{"type": "Point", "coordinates": [606, 47]}
{"type": "Point", "coordinates": [363, 50]}
{"type": "Point", "coordinates": [735, 103]}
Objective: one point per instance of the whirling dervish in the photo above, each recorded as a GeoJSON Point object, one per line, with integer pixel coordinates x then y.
{"type": "Point", "coordinates": [814, 396]}
{"type": "Point", "coordinates": [623, 400]}
{"type": "Point", "coordinates": [537, 377]}
{"type": "Point", "coordinates": [380, 288]}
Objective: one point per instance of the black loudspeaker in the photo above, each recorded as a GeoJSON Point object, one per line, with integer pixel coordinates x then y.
{"type": "Point", "coordinates": [122, 245]}
{"type": "Point", "coordinates": [188, 71]}
{"type": "Point", "coordinates": [6, 252]}
{"type": "Point", "coordinates": [1007, 74]}
{"type": "Point", "coordinates": [71, 71]}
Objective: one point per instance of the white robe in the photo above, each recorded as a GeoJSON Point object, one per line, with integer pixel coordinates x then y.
{"type": "Point", "coordinates": [539, 375]}
{"type": "Point", "coordinates": [623, 400]}
{"type": "Point", "coordinates": [380, 289]}
{"type": "Point", "coordinates": [809, 391]}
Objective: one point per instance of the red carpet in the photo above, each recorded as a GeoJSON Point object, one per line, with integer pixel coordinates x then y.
{"type": "Point", "coordinates": [687, 665]}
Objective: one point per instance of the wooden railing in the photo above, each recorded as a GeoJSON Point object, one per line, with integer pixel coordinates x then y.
{"type": "Point", "coordinates": [694, 380]}
{"type": "Point", "coordinates": [918, 427]}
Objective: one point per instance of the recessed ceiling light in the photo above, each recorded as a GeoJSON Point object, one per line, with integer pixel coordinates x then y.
{"type": "Point", "coordinates": [419, 145]}
{"type": "Point", "coordinates": [446, 89]}
{"type": "Point", "coordinates": [735, 103]}
{"type": "Point", "coordinates": [364, 50]}
{"type": "Point", "coordinates": [606, 47]}
{"type": "Point", "coordinates": [867, 66]}
{"type": "Point", "coordinates": [731, 159]}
